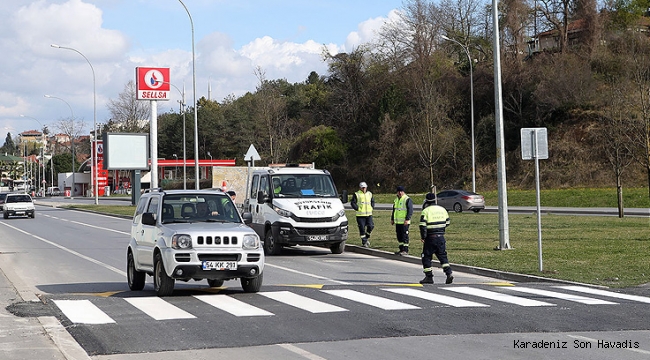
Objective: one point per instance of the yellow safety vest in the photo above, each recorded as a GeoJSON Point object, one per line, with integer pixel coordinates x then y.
{"type": "Point", "coordinates": [399, 204]}
{"type": "Point", "coordinates": [364, 203]}
{"type": "Point", "coordinates": [435, 219]}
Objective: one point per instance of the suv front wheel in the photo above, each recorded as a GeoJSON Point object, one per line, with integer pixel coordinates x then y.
{"type": "Point", "coordinates": [163, 284]}
{"type": "Point", "coordinates": [252, 285]}
{"type": "Point", "coordinates": [135, 278]}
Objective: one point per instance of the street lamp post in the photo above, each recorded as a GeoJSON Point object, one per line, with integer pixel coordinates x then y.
{"type": "Point", "coordinates": [71, 141]}
{"type": "Point", "coordinates": [95, 170]}
{"type": "Point", "coordinates": [196, 119]}
{"type": "Point", "coordinates": [471, 91]}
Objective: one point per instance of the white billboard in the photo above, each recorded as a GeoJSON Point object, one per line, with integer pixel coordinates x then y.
{"type": "Point", "coordinates": [126, 151]}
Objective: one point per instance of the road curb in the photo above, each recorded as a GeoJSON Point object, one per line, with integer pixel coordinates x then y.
{"type": "Point", "coordinates": [497, 274]}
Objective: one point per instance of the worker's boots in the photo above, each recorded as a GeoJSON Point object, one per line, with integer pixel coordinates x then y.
{"type": "Point", "coordinates": [428, 278]}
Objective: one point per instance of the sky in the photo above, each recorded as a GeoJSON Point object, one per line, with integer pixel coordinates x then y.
{"type": "Point", "coordinates": [285, 38]}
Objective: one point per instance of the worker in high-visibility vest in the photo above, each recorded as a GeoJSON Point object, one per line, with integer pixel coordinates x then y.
{"type": "Point", "coordinates": [363, 202]}
{"type": "Point", "coordinates": [401, 218]}
{"type": "Point", "coordinates": [433, 222]}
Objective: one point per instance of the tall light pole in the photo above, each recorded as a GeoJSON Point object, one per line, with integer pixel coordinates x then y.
{"type": "Point", "coordinates": [93, 143]}
{"type": "Point", "coordinates": [196, 119]}
{"type": "Point", "coordinates": [183, 111]}
{"type": "Point", "coordinates": [71, 141]}
{"type": "Point", "coordinates": [471, 92]}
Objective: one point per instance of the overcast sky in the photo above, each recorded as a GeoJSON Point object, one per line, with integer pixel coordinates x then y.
{"type": "Point", "coordinates": [232, 37]}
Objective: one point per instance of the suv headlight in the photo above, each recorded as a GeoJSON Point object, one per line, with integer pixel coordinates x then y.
{"type": "Point", "coordinates": [251, 241]}
{"type": "Point", "coordinates": [283, 212]}
{"type": "Point", "coordinates": [181, 241]}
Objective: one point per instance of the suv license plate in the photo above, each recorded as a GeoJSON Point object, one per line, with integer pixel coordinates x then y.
{"type": "Point", "coordinates": [219, 265]}
{"type": "Point", "coordinates": [317, 238]}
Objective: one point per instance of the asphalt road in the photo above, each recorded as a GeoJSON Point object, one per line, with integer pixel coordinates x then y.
{"type": "Point", "coordinates": [313, 305]}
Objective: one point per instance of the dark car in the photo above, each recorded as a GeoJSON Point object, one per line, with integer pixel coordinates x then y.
{"type": "Point", "coordinates": [3, 196]}
{"type": "Point", "coordinates": [461, 200]}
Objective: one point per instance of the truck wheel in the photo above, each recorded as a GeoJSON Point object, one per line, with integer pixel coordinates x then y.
{"type": "Point", "coordinates": [338, 248]}
{"type": "Point", "coordinates": [163, 284]}
{"type": "Point", "coordinates": [215, 283]}
{"type": "Point", "coordinates": [252, 285]}
{"type": "Point", "coordinates": [270, 246]}
{"type": "Point", "coordinates": [134, 277]}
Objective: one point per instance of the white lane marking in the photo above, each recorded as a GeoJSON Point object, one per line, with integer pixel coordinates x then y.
{"type": "Point", "coordinates": [304, 353]}
{"type": "Point", "coordinates": [498, 296]}
{"type": "Point", "coordinates": [111, 268]}
{"type": "Point", "coordinates": [89, 225]}
{"type": "Point", "coordinates": [569, 297]}
{"type": "Point", "coordinates": [232, 305]}
{"type": "Point", "coordinates": [593, 291]}
{"type": "Point", "coordinates": [307, 274]}
{"type": "Point", "coordinates": [83, 312]}
{"type": "Point", "coordinates": [640, 351]}
{"type": "Point", "coordinates": [302, 302]}
{"type": "Point", "coordinates": [443, 299]}
{"type": "Point", "coordinates": [158, 308]}
{"type": "Point", "coordinates": [371, 300]}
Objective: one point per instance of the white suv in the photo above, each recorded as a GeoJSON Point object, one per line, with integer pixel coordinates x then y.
{"type": "Point", "coordinates": [18, 205]}
{"type": "Point", "coordinates": [192, 235]}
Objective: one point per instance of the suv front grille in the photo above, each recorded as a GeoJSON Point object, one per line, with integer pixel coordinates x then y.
{"type": "Point", "coordinates": [216, 240]}
{"type": "Point", "coordinates": [219, 257]}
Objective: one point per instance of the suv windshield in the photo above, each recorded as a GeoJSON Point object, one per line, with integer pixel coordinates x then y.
{"type": "Point", "coordinates": [301, 185]}
{"type": "Point", "coordinates": [199, 207]}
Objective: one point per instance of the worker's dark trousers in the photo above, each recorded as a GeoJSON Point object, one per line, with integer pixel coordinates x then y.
{"type": "Point", "coordinates": [435, 244]}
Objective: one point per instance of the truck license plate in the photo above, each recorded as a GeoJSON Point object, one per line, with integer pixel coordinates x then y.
{"type": "Point", "coordinates": [219, 265]}
{"type": "Point", "coordinates": [317, 237]}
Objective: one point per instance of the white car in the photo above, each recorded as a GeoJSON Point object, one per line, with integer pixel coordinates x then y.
{"type": "Point", "coordinates": [192, 235]}
{"type": "Point", "coordinates": [18, 205]}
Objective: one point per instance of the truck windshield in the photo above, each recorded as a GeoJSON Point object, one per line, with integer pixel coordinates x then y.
{"type": "Point", "coordinates": [303, 185]}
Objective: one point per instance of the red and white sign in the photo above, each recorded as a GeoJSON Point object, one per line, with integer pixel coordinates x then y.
{"type": "Point", "coordinates": [152, 83]}
{"type": "Point", "coordinates": [99, 172]}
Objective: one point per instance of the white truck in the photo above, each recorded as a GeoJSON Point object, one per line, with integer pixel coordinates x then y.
{"type": "Point", "coordinates": [292, 205]}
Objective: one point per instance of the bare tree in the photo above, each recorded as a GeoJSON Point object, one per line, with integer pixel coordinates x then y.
{"type": "Point", "coordinates": [272, 109]}
{"type": "Point", "coordinates": [127, 113]}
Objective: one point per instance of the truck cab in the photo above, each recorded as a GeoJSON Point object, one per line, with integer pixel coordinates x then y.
{"type": "Point", "coordinates": [293, 205]}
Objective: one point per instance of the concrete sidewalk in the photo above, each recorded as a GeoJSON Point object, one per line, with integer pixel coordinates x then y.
{"type": "Point", "coordinates": [31, 337]}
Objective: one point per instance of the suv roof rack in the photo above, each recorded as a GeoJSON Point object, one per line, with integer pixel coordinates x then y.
{"type": "Point", "coordinates": [158, 189]}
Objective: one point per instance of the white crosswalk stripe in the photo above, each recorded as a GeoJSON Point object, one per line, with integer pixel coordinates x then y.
{"type": "Point", "coordinates": [158, 308]}
{"type": "Point", "coordinates": [370, 300]}
{"type": "Point", "coordinates": [83, 312]}
{"type": "Point", "coordinates": [593, 291]}
{"type": "Point", "coordinates": [492, 295]}
{"type": "Point", "coordinates": [232, 305]}
{"type": "Point", "coordinates": [302, 302]}
{"type": "Point", "coordinates": [569, 297]}
{"type": "Point", "coordinates": [443, 299]}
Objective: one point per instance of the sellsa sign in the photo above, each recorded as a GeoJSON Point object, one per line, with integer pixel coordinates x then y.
{"type": "Point", "coordinates": [152, 83]}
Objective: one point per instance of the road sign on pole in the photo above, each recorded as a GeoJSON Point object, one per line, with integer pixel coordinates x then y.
{"type": "Point", "coordinates": [534, 145]}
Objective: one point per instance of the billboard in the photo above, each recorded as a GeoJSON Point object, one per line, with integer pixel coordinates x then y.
{"type": "Point", "coordinates": [126, 151]}
{"type": "Point", "coordinates": [152, 83]}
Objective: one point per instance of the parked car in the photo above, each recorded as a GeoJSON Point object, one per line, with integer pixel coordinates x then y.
{"type": "Point", "coordinates": [18, 205]}
{"type": "Point", "coordinates": [3, 196]}
{"type": "Point", "coordinates": [192, 235]}
{"type": "Point", "coordinates": [53, 191]}
{"type": "Point", "coordinates": [461, 200]}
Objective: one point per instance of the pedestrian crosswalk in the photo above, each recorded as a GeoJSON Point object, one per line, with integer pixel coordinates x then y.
{"type": "Point", "coordinates": [317, 301]}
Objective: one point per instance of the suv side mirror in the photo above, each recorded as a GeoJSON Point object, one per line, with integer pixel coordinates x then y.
{"type": "Point", "coordinates": [344, 196]}
{"type": "Point", "coordinates": [248, 218]}
{"type": "Point", "coordinates": [148, 219]}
